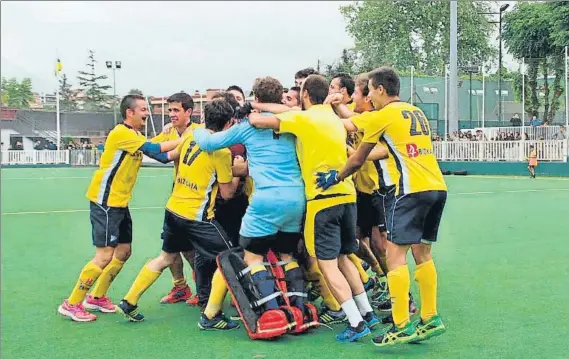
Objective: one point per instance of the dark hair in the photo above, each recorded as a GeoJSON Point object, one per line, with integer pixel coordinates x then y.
{"type": "Point", "coordinates": [183, 98]}
{"type": "Point", "coordinates": [346, 81]}
{"type": "Point", "coordinates": [236, 88]}
{"type": "Point", "coordinates": [295, 88]}
{"type": "Point", "coordinates": [129, 102]}
{"type": "Point", "coordinates": [386, 77]}
{"type": "Point", "coordinates": [227, 97]}
{"type": "Point", "coordinates": [317, 88]}
{"type": "Point", "coordinates": [217, 113]}
{"type": "Point", "coordinates": [268, 90]}
{"type": "Point", "coordinates": [304, 73]}
{"type": "Point", "coordinates": [362, 82]}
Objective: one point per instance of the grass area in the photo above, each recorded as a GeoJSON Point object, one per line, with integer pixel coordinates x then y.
{"type": "Point", "coordinates": [502, 263]}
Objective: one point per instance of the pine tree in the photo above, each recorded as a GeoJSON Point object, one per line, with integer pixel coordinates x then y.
{"type": "Point", "coordinates": [89, 82]}
{"type": "Point", "coordinates": [67, 96]}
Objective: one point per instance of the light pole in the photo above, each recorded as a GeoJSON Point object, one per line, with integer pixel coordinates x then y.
{"type": "Point", "coordinates": [502, 9]}
{"type": "Point", "coordinates": [470, 70]}
{"type": "Point", "coordinates": [116, 66]}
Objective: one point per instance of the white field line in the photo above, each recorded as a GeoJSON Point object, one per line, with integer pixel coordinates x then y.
{"type": "Point", "coordinates": [162, 207]}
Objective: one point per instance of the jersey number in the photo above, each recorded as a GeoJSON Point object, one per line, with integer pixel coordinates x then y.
{"type": "Point", "coordinates": [189, 160]}
{"type": "Point", "coordinates": [416, 116]}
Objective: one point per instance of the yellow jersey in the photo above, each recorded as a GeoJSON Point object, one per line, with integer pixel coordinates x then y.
{"type": "Point", "coordinates": [171, 135]}
{"type": "Point", "coordinates": [196, 185]}
{"type": "Point", "coordinates": [405, 131]}
{"type": "Point", "coordinates": [366, 179]}
{"type": "Point", "coordinates": [387, 175]}
{"type": "Point", "coordinates": [113, 182]}
{"type": "Point", "coordinates": [320, 147]}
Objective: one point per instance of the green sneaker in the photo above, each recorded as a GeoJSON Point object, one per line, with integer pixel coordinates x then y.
{"type": "Point", "coordinates": [396, 336]}
{"type": "Point", "coordinates": [432, 328]}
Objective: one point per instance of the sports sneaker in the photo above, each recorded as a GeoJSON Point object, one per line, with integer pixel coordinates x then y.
{"type": "Point", "coordinates": [396, 335]}
{"type": "Point", "coordinates": [103, 304]}
{"type": "Point", "coordinates": [328, 316]}
{"type": "Point", "coordinates": [351, 334]}
{"type": "Point", "coordinates": [379, 297]}
{"type": "Point", "coordinates": [219, 322]}
{"type": "Point", "coordinates": [371, 320]}
{"type": "Point", "coordinates": [76, 312]}
{"type": "Point", "coordinates": [431, 328]}
{"type": "Point", "coordinates": [193, 301]}
{"type": "Point", "coordinates": [177, 294]}
{"type": "Point", "coordinates": [130, 311]}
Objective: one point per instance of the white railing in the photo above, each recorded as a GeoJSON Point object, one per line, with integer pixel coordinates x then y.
{"type": "Point", "coordinates": [12, 157]}
{"type": "Point", "coordinates": [534, 133]}
{"type": "Point", "coordinates": [496, 151]}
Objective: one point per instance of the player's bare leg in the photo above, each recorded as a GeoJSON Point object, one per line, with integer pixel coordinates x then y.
{"type": "Point", "coordinates": [345, 283]}
{"type": "Point", "coordinates": [180, 291]}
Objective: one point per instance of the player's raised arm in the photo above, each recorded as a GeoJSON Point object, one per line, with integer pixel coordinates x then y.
{"type": "Point", "coordinates": [262, 121]}
{"type": "Point", "coordinates": [210, 142]}
{"type": "Point", "coordinates": [273, 107]}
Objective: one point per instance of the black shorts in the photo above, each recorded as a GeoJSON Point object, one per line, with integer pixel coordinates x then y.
{"type": "Point", "coordinates": [110, 225]}
{"type": "Point", "coordinates": [281, 242]}
{"type": "Point", "coordinates": [181, 235]}
{"type": "Point", "coordinates": [229, 214]}
{"type": "Point", "coordinates": [330, 227]}
{"type": "Point", "coordinates": [414, 218]}
{"type": "Point", "coordinates": [371, 212]}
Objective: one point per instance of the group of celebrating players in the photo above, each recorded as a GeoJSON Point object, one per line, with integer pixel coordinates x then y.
{"type": "Point", "coordinates": [280, 201]}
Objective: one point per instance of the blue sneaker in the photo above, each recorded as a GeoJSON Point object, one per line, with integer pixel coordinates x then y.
{"type": "Point", "coordinates": [130, 311]}
{"type": "Point", "coordinates": [371, 320]}
{"type": "Point", "coordinates": [352, 334]}
{"type": "Point", "coordinates": [219, 322]}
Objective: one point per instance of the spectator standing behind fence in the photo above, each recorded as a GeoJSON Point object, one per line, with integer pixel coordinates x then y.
{"type": "Point", "coordinates": [516, 120]}
{"type": "Point", "coordinates": [534, 121]}
{"type": "Point", "coordinates": [560, 135]}
{"type": "Point", "coordinates": [532, 161]}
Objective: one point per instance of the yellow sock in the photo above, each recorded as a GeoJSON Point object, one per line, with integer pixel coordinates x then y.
{"type": "Point", "coordinates": [399, 282]}
{"type": "Point", "coordinates": [88, 276]}
{"type": "Point", "coordinates": [142, 282]}
{"type": "Point", "coordinates": [290, 266]}
{"type": "Point", "coordinates": [109, 273]}
{"type": "Point", "coordinates": [327, 296]}
{"type": "Point", "coordinates": [377, 269]}
{"type": "Point", "coordinates": [358, 263]}
{"type": "Point", "coordinates": [426, 277]}
{"type": "Point", "coordinates": [180, 282]}
{"type": "Point", "coordinates": [258, 268]}
{"type": "Point", "coordinates": [216, 296]}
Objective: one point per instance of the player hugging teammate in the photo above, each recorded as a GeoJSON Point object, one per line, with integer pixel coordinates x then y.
{"type": "Point", "coordinates": [373, 198]}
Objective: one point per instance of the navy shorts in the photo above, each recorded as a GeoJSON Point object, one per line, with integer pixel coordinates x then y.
{"type": "Point", "coordinates": [110, 225]}
{"type": "Point", "coordinates": [371, 212]}
{"type": "Point", "coordinates": [181, 235]}
{"type": "Point", "coordinates": [414, 218]}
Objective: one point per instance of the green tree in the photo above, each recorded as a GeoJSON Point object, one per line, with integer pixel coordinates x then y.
{"type": "Point", "coordinates": [135, 92]}
{"type": "Point", "coordinates": [532, 31]}
{"type": "Point", "coordinates": [347, 63]}
{"type": "Point", "coordinates": [17, 94]}
{"type": "Point", "coordinates": [416, 33]}
{"type": "Point", "coordinates": [89, 82]}
{"type": "Point", "coordinates": [67, 95]}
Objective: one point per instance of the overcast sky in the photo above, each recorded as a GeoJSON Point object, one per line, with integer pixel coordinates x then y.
{"type": "Point", "coordinates": [166, 47]}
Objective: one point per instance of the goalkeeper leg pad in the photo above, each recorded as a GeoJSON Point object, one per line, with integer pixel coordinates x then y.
{"type": "Point", "coordinates": [291, 283]}
{"type": "Point", "coordinates": [259, 323]}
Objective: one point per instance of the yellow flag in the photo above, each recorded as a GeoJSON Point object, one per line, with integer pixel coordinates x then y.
{"type": "Point", "coordinates": [58, 67]}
